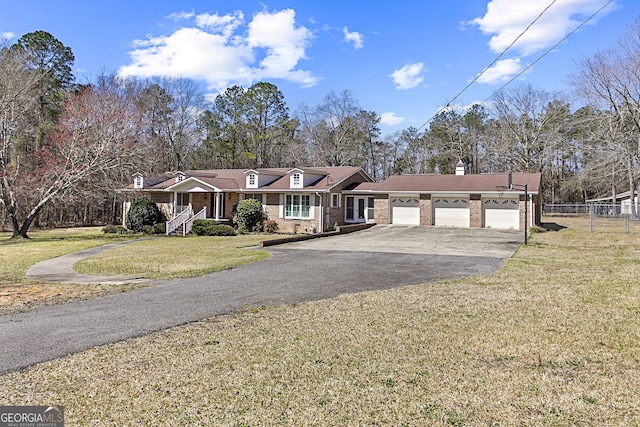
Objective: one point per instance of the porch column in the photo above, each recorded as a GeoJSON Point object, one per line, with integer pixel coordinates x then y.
{"type": "Point", "coordinates": [175, 203]}
{"type": "Point", "coordinates": [218, 194]}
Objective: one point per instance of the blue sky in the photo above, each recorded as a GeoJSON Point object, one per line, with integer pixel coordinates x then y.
{"type": "Point", "coordinates": [402, 59]}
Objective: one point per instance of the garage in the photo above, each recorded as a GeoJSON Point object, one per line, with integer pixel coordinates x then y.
{"type": "Point", "coordinates": [503, 213]}
{"type": "Point", "coordinates": [405, 210]}
{"type": "Point", "coordinates": [451, 212]}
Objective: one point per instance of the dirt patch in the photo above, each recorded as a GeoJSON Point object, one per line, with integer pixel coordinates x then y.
{"type": "Point", "coordinates": [23, 297]}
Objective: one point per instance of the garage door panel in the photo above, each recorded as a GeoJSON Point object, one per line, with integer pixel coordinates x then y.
{"type": "Point", "coordinates": [405, 211]}
{"type": "Point", "coordinates": [452, 217]}
{"type": "Point", "coordinates": [452, 212]}
{"type": "Point", "coordinates": [501, 213]}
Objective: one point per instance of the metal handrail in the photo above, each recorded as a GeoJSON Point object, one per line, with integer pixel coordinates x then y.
{"type": "Point", "coordinates": [189, 223]}
{"type": "Point", "coordinates": [177, 221]}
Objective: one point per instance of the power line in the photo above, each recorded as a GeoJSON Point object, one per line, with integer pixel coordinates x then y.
{"type": "Point", "coordinates": [547, 51]}
{"type": "Point", "coordinates": [448, 104]}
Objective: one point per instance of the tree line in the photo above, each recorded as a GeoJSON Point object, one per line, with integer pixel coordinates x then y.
{"type": "Point", "coordinates": [65, 147]}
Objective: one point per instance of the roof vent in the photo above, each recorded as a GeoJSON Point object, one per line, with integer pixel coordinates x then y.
{"type": "Point", "coordinates": [460, 168]}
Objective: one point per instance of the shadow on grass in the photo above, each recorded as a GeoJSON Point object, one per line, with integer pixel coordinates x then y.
{"type": "Point", "coordinates": [552, 226]}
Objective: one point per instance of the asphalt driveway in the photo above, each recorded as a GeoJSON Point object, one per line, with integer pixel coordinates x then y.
{"type": "Point", "coordinates": [379, 258]}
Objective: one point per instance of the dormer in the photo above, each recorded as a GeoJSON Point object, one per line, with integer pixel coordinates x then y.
{"type": "Point", "coordinates": [251, 177]}
{"type": "Point", "coordinates": [138, 181]}
{"type": "Point", "coordinates": [296, 178]}
{"type": "Point", "coordinates": [179, 176]}
{"type": "Point", "coordinates": [299, 178]}
{"type": "Point", "coordinates": [259, 178]}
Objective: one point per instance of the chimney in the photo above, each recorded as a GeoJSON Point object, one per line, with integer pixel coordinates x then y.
{"type": "Point", "coordinates": [510, 181]}
{"type": "Point", "coordinates": [460, 168]}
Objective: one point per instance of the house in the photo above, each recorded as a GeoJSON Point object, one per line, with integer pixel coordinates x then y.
{"type": "Point", "coordinates": [621, 204]}
{"type": "Point", "coordinates": [460, 200]}
{"type": "Point", "coordinates": [308, 200]}
{"type": "Point", "coordinates": [300, 199]}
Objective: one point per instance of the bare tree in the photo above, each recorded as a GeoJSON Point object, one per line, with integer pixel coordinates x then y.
{"type": "Point", "coordinates": [96, 134]}
{"type": "Point", "coordinates": [610, 81]}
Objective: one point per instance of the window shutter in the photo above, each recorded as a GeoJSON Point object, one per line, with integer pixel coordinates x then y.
{"type": "Point", "coordinates": [312, 206]}
{"type": "Point", "coordinates": [281, 206]}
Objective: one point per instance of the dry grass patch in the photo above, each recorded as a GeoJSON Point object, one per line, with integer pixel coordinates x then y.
{"type": "Point", "coordinates": [17, 293]}
{"type": "Point", "coordinates": [551, 339]}
{"type": "Point", "coordinates": [176, 256]}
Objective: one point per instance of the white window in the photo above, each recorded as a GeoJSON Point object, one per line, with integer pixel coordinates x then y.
{"type": "Point", "coordinates": [179, 177]}
{"type": "Point", "coordinates": [296, 179]}
{"type": "Point", "coordinates": [252, 180]}
{"type": "Point", "coordinates": [335, 200]}
{"type": "Point", "coordinates": [297, 206]}
{"type": "Point", "coordinates": [138, 182]}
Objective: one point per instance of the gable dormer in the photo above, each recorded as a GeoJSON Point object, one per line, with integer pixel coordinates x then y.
{"type": "Point", "coordinates": [299, 178]}
{"type": "Point", "coordinates": [296, 178]}
{"type": "Point", "coordinates": [252, 178]}
{"type": "Point", "coordinates": [138, 181]}
{"type": "Point", "coordinates": [259, 178]}
{"type": "Point", "coordinates": [179, 176]}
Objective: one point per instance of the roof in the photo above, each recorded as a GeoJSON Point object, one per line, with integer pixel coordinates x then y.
{"type": "Point", "coordinates": [235, 179]}
{"type": "Point", "coordinates": [435, 183]}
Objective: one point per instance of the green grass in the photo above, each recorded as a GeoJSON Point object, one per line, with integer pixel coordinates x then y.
{"type": "Point", "coordinates": [552, 339]}
{"type": "Point", "coordinates": [18, 255]}
{"type": "Point", "coordinates": [176, 257]}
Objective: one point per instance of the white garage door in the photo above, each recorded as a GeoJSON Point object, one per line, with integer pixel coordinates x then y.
{"type": "Point", "coordinates": [451, 212]}
{"type": "Point", "coordinates": [405, 210]}
{"type": "Point", "coordinates": [501, 213]}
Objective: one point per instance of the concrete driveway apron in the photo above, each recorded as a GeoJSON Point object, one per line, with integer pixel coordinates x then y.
{"type": "Point", "coordinates": [379, 258]}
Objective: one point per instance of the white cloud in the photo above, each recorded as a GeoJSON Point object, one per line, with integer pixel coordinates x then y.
{"type": "Point", "coordinates": [408, 76]}
{"type": "Point", "coordinates": [222, 50]}
{"type": "Point", "coordinates": [7, 35]}
{"type": "Point", "coordinates": [501, 71]}
{"type": "Point", "coordinates": [353, 37]}
{"type": "Point", "coordinates": [390, 118]}
{"type": "Point", "coordinates": [181, 15]}
{"type": "Point", "coordinates": [507, 19]}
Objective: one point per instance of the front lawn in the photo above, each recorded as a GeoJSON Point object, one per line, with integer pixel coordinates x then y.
{"type": "Point", "coordinates": [174, 257]}
{"type": "Point", "coordinates": [551, 339]}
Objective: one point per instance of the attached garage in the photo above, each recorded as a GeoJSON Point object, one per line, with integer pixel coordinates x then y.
{"type": "Point", "coordinates": [451, 212]}
{"type": "Point", "coordinates": [405, 210]}
{"type": "Point", "coordinates": [501, 213]}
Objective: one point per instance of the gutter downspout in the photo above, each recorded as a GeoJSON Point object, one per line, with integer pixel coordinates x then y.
{"type": "Point", "coordinates": [320, 221]}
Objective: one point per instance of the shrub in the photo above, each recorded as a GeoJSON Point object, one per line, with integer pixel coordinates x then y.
{"type": "Point", "coordinates": [158, 228]}
{"type": "Point", "coordinates": [248, 215]}
{"type": "Point", "coordinates": [203, 227]}
{"type": "Point", "coordinates": [270, 226]}
{"type": "Point", "coordinates": [114, 229]}
{"type": "Point", "coordinates": [142, 212]}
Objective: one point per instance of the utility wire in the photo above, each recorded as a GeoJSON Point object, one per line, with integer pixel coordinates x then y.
{"type": "Point", "coordinates": [547, 51]}
{"type": "Point", "coordinates": [448, 104]}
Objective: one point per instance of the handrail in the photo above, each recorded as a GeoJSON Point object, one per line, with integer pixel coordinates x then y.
{"type": "Point", "coordinates": [189, 223]}
{"type": "Point", "coordinates": [177, 221]}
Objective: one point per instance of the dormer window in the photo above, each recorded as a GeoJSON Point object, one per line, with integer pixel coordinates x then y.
{"type": "Point", "coordinates": [296, 180]}
{"type": "Point", "coordinates": [251, 181]}
{"type": "Point", "coordinates": [138, 182]}
{"type": "Point", "coordinates": [179, 178]}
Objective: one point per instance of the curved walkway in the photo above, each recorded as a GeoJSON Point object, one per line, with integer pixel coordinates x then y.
{"type": "Point", "coordinates": [60, 269]}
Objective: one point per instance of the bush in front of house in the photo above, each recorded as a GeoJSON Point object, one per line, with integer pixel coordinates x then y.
{"type": "Point", "coordinates": [158, 228]}
{"type": "Point", "coordinates": [143, 211]}
{"type": "Point", "coordinates": [204, 227]}
{"type": "Point", "coordinates": [248, 215]}
{"type": "Point", "coordinates": [114, 229]}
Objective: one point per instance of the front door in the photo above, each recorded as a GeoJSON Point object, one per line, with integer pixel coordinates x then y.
{"type": "Point", "coordinates": [356, 210]}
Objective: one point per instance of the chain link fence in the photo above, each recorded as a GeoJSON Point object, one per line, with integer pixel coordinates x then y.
{"type": "Point", "coordinates": [603, 217]}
